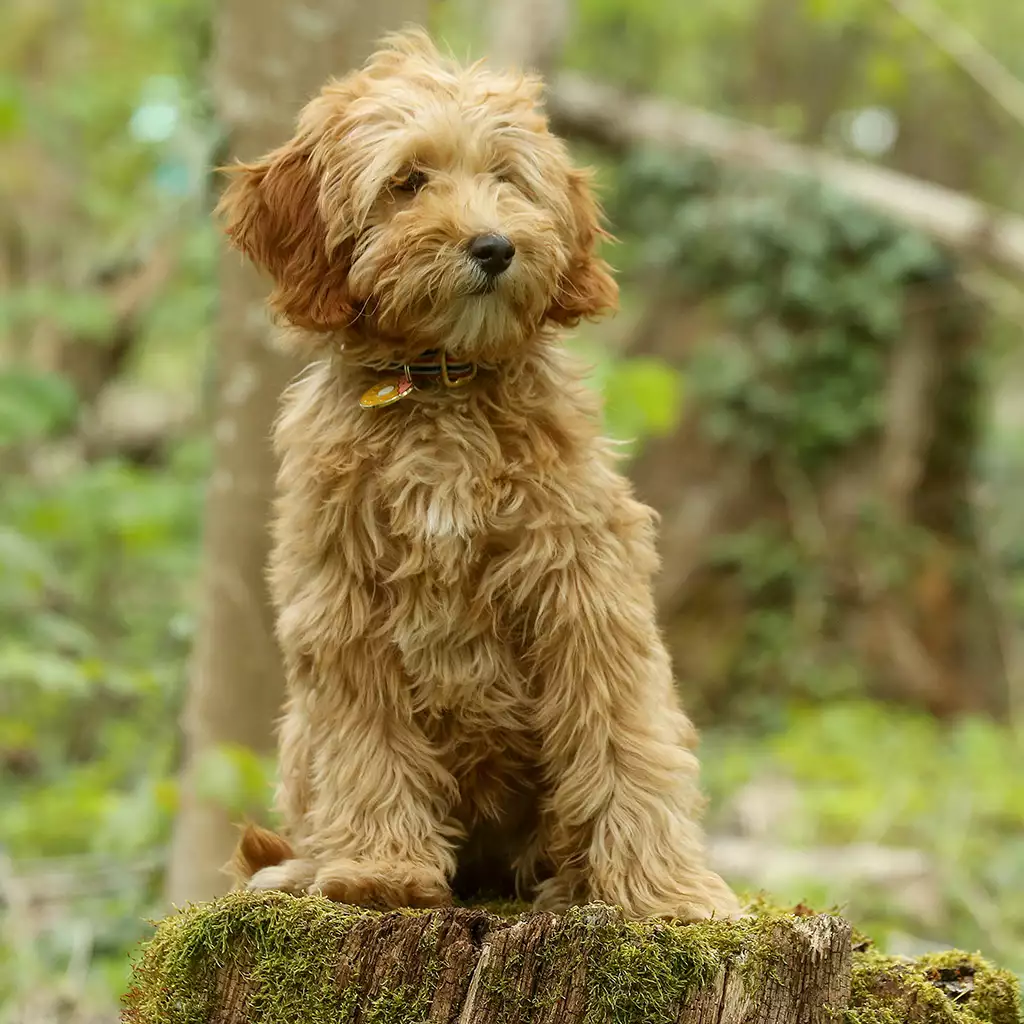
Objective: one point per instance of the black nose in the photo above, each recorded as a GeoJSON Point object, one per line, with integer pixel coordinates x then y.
{"type": "Point", "coordinates": [493, 252]}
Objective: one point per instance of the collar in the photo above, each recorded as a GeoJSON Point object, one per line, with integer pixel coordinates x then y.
{"type": "Point", "coordinates": [401, 379]}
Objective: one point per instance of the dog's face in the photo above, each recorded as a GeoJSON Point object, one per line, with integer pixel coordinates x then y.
{"type": "Point", "coordinates": [422, 206]}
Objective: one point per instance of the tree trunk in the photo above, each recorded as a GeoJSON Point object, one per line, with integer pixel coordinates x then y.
{"type": "Point", "coordinates": [271, 58]}
{"type": "Point", "coordinates": [528, 33]}
{"type": "Point", "coordinates": [272, 959]}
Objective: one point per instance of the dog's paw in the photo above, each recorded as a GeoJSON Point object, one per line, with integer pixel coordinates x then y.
{"type": "Point", "coordinates": [294, 876]}
{"type": "Point", "coordinates": [699, 910]}
{"type": "Point", "coordinates": [724, 902]}
{"type": "Point", "coordinates": [714, 900]}
{"type": "Point", "coordinates": [382, 884]}
{"type": "Point", "coordinates": [680, 895]}
{"type": "Point", "coordinates": [556, 894]}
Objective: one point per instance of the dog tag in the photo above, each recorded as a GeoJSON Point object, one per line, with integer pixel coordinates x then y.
{"type": "Point", "coordinates": [387, 392]}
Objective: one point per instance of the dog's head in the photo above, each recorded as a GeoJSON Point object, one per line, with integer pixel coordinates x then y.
{"type": "Point", "coordinates": [423, 205]}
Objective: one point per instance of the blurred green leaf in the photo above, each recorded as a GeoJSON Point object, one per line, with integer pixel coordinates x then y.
{"type": "Point", "coordinates": [10, 107]}
{"type": "Point", "coordinates": [643, 397]}
{"type": "Point", "coordinates": [33, 405]}
{"type": "Point", "coordinates": [43, 669]}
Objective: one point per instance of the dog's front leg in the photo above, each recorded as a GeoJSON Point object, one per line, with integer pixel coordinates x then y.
{"type": "Point", "coordinates": [371, 821]}
{"type": "Point", "coordinates": [622, 814]}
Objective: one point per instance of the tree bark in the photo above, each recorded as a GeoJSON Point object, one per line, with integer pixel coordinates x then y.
{"type": "Point", "coordinates": [277, 959]}
{"type": "Point", "coordinates": [467, 966]}
{"type": "Point", "coordinates": [270, 58]}
{"type": "Point", "coordinates": [603, 115]}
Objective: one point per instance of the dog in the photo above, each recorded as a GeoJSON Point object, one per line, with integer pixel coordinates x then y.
{"type": "Point", "coordinates": [461, 576]}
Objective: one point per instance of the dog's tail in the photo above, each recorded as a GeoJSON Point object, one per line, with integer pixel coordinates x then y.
{"type": "Point", "coordinates": [257, 848]}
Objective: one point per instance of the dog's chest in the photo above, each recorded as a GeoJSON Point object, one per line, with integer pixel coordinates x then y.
{"type": "Point", "coordinates": [457, 654]}
{"type": "Point", "coordinates": [441, 513]}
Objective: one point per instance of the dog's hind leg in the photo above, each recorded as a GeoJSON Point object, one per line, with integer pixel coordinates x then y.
{"type": "Point", "coordinates": [294, 783]}
{"type": "Point", "coordinates": [263, 859]}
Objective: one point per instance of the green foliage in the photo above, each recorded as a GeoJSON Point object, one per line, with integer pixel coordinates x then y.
{"type": "Point", "coordinates": [803, 67]}
{"type": "Point", "coordinates": [99, 570]}
{"type": "Point", "coordinates": [642, 396]}
{"type": "Point", "coordinates": [86, 313]}
{"type": "Point", "coordinates": [798, 306]}
{"type": "Point", "coordinates": [874, 773]}
{"type": "Point", "coordinates": [809, 289]}
{"type": "Point", "coordinates": [99, 558]}
{"type": "Point", "coordinates": [33, 405]}
{"type": "Point", "coordinates": [105, 141]}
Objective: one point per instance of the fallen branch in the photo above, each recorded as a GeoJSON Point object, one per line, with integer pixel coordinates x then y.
{"type": "Point", "coordinates": [908, 878]}
{"type": "Point", "coordinates": [603, 115]}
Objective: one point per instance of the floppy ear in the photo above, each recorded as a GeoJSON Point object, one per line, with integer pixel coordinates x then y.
{"type": "Point", "coordinates": [587, 287]}
{"type": "Point", "coordinates": [271, 213]}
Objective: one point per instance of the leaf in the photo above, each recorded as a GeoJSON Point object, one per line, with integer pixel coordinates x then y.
{"type": "Point", "coordinates": [643, 397]}
{"type": "Point", "coordinates": [20, 553]}
{"type": "Point", "coordinates": [887, 74]}
{"type": "Point", "coordinates": [34, 405]}
{"type": "Point", "coordinates": [43, 669]}
{"type": "Point", "coordinates": [11, 108]}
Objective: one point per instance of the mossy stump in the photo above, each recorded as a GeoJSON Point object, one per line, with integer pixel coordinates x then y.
{"type": "Point", "coordinates": [277, 959]}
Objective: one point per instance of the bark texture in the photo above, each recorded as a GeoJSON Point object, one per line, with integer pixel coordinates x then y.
{"type": "Point", "coordinates": [276, 959]}
{"type": "Point", "coordinates": [255, 959]}
{"type": "Point", "coordinates": [270, 59]}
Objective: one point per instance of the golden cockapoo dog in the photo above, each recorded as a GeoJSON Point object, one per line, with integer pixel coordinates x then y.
{"type": "Point", "coordinates": [462, 578]}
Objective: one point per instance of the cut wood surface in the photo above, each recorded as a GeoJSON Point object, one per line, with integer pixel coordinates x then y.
{"type": "Point", "coordinates": [602, 114]}
{"type": "Point", "coordinates": [272, 958]}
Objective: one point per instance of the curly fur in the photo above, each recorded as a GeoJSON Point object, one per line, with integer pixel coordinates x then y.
{"type": "Point", "coordinates": [462, 580]}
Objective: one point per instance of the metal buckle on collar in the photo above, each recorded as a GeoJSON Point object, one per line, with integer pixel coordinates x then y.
{"type": "Point", "coordinates": [458, 382]}
{"type": "Point", "coordinates": [394, 389]}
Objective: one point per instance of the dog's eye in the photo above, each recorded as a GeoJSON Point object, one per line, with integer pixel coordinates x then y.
{"type": "Point", "coordinates": [412, 182]}
{"type": "Point", "coordinates": [505, 177]}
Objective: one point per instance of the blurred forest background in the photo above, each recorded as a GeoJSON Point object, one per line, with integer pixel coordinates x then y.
{"type": "Point", "coordinates": [817, 363]}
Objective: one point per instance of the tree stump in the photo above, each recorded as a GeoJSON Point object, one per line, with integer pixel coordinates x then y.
{"type": "Point", "coordinates": [278, 959]}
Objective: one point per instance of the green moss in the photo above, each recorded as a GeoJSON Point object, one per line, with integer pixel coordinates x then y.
{"type": "Point", "coordinates": [639, 971]}
{"type": "Point", "coordinates": [281, 944]}
{"type": "Point", "coordinates": [941, 988]}
{"type": "Point", "coordinates": [292, 958]}
{"type": "Point", "coordinates": [636, 971]}
{"type": "Point", "coordinates": [397, 1006]}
